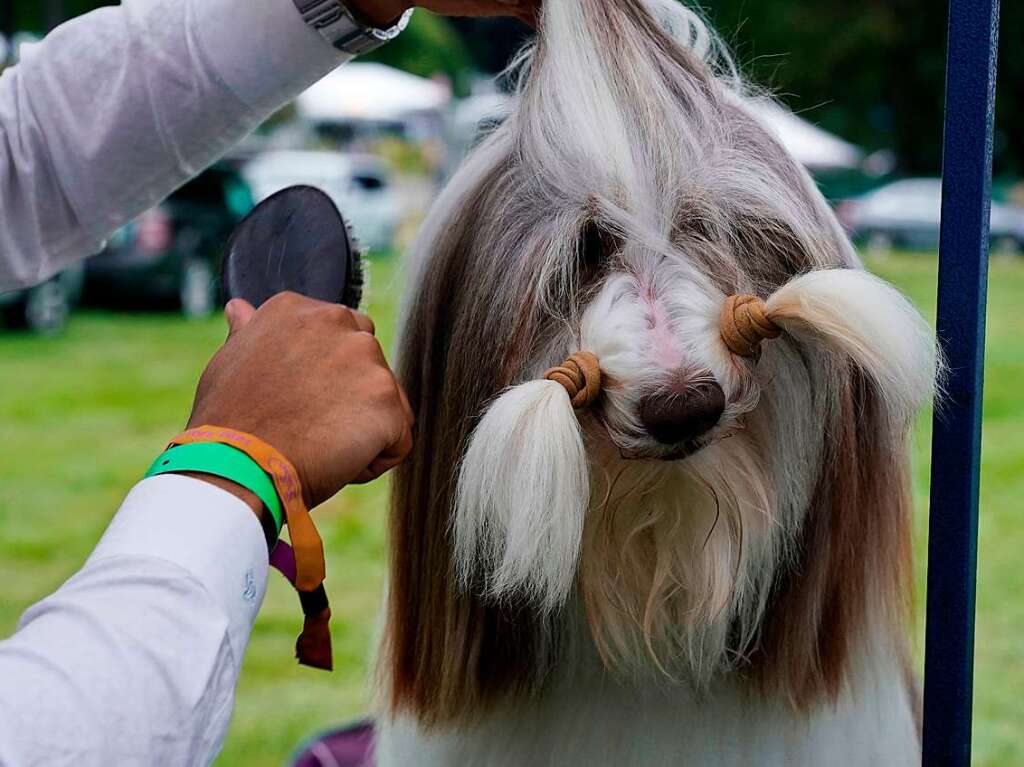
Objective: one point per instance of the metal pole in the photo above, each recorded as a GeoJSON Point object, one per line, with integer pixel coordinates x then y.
{"type": "Point", "coordinates": [956, 441]}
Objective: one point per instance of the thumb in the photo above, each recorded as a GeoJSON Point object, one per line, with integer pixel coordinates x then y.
{"type": "Point", "coordinates": [238, 313]}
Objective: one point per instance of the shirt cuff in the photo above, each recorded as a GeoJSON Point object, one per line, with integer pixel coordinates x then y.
{"type": "Point", "coordinates": [208, 532]}
{"type": "Point", "coordinates": [263, 51]}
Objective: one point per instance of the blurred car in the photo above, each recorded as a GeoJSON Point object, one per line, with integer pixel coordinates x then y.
{"type": "Point", "coordinates": [358, 184]}
{"type": "Point", "coordinates": [906, 214]}
{"type": "Point", "coordinates": [171, 253]}
{"type": "Point", "coordinates": [43, 308]}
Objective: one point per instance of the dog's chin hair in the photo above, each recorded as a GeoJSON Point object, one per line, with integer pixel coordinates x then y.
{"type": "Point", "coordinates": [672, 571]}
{"type": "Point", "coordinates": [671, 561]}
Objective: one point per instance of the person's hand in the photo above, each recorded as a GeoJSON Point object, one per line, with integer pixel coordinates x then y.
{"type": "Point", "coordinates": [310, 379]}
{"type": "Point", "coordinates": [383, 13]}
{"type": "Point", "coordinates": [524, 10]}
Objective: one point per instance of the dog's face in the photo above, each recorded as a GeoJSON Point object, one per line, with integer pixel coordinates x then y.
{"type": "Point", "coordinates": [685, 521]}
{"type": "Point", "coordinates": [708, 510]}
{"type": "Point", "coordinates": [670, 388]}
{"type": "Point", "coordinates": [684, 508]}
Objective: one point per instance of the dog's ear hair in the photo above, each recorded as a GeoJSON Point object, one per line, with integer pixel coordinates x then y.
{"type": "Point", "coordinates": [849, 579]}
{"type": "Point", "coordinates": [522, 495]}
{"type": "Point", "coordinates": [447, 653]}
{"type": "Point", "coordinates": [850, 574]}
{"type": "Point", "coordinates": [866, 320]}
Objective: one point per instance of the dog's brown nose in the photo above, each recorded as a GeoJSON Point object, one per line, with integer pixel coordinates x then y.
{"type": "Point", "coordinates": [672, 415]}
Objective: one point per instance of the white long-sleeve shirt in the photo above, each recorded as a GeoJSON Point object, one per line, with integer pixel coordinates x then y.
{"type": "Point", "coordinates": [115, 109]}
{"type": "Point", "coordinates": [134, 660]}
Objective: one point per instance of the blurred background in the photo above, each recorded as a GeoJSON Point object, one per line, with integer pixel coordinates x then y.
{"type": "Point", "coordinates": [119, 343]}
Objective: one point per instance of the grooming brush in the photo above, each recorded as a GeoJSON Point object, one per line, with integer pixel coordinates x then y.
{"type": "Point", "coordinates": [295, 240]}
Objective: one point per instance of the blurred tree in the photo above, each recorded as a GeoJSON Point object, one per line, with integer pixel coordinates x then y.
{"type": "Point", "coordinates": [36, 16]}
{"type": "Point", "coordinates": [53, 12]}
{"type": "Point", "coordinates": [492, 42]}
{"type": "Point", "coordinates": [871, 71]}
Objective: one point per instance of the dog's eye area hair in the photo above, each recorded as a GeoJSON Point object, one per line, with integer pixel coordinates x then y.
{"type": "Point", "coordinates": [596, 247]}
{"type": "Point", "coordinates": [696, 224]}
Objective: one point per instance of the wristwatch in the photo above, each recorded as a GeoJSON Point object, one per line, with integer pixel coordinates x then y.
{"type": "Point", "coordinates": [340, 28]}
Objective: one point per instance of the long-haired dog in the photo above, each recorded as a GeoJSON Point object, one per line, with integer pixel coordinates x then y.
{"type": "Point", "coordinates": [657, 511]}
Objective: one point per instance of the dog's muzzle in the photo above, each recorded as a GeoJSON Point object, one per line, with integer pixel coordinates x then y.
{"type": "Point", "coordinates": [681, 415]}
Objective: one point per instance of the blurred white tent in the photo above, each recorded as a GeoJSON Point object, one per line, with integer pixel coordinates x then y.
{"type": "Point", "coordinates": [370, 91]}
{"type": "Point", "coordinates": [815, 148]}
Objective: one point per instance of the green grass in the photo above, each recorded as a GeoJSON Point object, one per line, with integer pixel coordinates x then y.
{"type": "Point", "coordinates": [82, 415]}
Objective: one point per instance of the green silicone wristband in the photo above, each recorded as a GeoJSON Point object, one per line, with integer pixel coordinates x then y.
{"type": "Point", "coordinates": [221, 461]}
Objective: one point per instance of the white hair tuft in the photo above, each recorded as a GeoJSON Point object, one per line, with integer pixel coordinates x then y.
{"type": "Point", "coordinates": [522, 495]}
{"type": "Point", "coordinates": [867, 319]}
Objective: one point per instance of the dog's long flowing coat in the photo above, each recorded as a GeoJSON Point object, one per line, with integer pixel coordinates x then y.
{"type": "Point", "coordinates": [579, 588]}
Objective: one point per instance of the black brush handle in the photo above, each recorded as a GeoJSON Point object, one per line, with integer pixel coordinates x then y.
{"type": "Point", "coordinates": [294, 240]}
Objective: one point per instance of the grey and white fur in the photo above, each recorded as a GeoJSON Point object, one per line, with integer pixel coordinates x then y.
{"type": "Point", "coordinates": [574, 588]}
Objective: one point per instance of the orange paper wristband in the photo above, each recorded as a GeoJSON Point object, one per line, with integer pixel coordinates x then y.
{"type": "Point", "coordinates": [309, 549]}
{"type": "Point", "coordinates": [310, 569]}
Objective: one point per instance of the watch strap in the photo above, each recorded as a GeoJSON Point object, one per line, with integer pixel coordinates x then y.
{"type": "Point", "coordinates": [340, 28]}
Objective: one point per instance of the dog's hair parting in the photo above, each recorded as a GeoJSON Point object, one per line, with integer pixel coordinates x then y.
{"type": "Point", "coordinates": [628, 192]}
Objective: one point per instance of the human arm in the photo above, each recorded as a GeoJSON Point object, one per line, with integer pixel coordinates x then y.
{"type": "Point", "coordinates": [115, 109]}
{"type": "Point", "coordinates": [379, 12]}
{"type": "Point", "coordinates": [134, 660]}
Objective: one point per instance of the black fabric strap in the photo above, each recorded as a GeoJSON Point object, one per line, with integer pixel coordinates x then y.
{"type": "Point", "coordinates": [314, 602]}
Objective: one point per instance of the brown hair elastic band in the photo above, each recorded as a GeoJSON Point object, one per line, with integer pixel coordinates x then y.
{"type": "Point", "coordinates": [580, 376]}
{"type": "Point", "coordinates": [745, 324]}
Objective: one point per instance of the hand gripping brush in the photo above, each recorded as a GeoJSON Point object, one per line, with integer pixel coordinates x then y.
{"type": "Point", "coordinates": [296, 240]}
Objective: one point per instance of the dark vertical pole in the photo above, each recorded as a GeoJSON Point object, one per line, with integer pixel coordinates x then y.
{"type": "Point", "coordinates": [956, 444]}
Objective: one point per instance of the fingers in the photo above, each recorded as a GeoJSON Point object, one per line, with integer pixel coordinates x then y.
{"type": "Point", "coordinates": [406, 407]}
{"type": "Point", "coordinates": [370, 473]}
{"type": "Point", "coordinates": [363, 322]}
{"type": "Point", "coordinates": [528, 12]}
{"type": "Point", "coordinates": [530, 18]}
{"type": "Point", "coordinates": [347, 318]}
{"type": "Point", "coordinates": [238, 313]}
{"type": "Point", "coordinates": [350, 319]}
{"type": "Point", "coordinates": [339, 342]}
{"type": "Point", "coordinates": [397, 452]}
{"type": "Point", "coordinates": [388, 459]}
